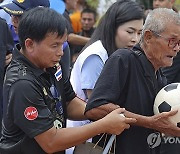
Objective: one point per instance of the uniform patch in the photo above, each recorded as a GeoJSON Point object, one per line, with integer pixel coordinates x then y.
{"type": "Point", "coordinates": [58, 73]}
{"type": "Point", "coordinates": [31, 113]}
{"type": "Point", "coordinates": [57, 124]}
{"type": "Point", "coordinates": [44, 91]}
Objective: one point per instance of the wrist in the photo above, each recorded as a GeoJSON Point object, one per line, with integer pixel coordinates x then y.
{"type": "Point", "coordinates": [148, 122]}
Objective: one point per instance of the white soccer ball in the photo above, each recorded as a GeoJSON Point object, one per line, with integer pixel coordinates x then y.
{"type": "Point", "coordinates": [168, 99]}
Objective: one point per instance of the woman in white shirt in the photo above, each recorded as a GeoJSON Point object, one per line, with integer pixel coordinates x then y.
{"type": "Point", "coordinates": [120, 27]}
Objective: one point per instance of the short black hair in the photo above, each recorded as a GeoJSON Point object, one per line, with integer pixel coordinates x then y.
{"type": "Point", "coordinates": [37, 22]}
{"type": "Point", "coordinates": [89, 10]}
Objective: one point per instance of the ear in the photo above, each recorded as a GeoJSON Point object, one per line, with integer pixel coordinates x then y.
{"type": "Point", "coordinates": [29, 44]}
{"type": "Point", "coordinates": [148, 36]}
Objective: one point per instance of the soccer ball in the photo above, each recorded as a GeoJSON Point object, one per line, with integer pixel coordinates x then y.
{"type": "Point", "coordinates": [168, 99]}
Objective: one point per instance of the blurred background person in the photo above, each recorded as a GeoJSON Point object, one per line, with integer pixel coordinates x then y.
{"type": "Point", "coordinates": [88, 20]}
{"type": "Point", "coordinates": [73, 39]}
{"type": "Point", "coordinates": [75, 16]}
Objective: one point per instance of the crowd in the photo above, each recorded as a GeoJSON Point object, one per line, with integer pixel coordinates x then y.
{"type": "Point", "coordinates": [64, 82]}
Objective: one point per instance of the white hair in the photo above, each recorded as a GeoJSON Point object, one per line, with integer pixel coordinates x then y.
{"type": "Point", "coordinates": [158, 19]}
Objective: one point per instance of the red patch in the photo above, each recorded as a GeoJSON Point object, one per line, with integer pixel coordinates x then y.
{"type": "Point", "coordinates": [31, 113]}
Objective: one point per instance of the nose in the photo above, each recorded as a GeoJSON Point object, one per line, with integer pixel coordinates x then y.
{"type": "Point", "coordinates": [177, 47]}
{"type": "Point", "coordinates": [135, 38]}
{"type": "Point", "coordinates": [60, 51]}
{"type": "Point", "coordinates": [86, 21]}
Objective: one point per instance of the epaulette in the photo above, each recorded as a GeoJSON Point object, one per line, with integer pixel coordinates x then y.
{"type": "Point", "coordinates": [139, 53]}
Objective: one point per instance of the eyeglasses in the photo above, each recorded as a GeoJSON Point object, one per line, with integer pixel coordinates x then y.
{"type": "Point", "coordinates": [172, 43]}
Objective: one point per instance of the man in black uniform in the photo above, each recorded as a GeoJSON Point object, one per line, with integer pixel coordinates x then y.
{"type": "Point", "coordinates": [16, 8]}
{"type": "Point", "coordinates": [37, 98]}
{"type": "Point", "coordinates": [6, 47]}
{"type": "Point", "coordinates": [132, 78]}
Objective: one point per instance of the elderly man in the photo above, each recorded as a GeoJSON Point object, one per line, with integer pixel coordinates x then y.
{"type": "Point", "coordinates": [37, 98]}
{"type": "Point", "coordinates": [132, 78]}
{"type": "Point", "coordinates": [172, 74]}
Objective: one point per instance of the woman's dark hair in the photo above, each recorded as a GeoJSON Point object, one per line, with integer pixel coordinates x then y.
{"type": "Point", "coordinates": [119, 13]}
{"type": "Point", "coordinates": [37, 22]}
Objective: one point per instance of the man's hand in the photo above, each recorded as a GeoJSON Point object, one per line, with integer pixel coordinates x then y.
{"type": "Point", "coordinates": [162, 123]}
{"type": "Point", "coordinates": [8, 59]}
{"type": "Point", "coordinates": [159, 122]}
{"type": "Point", "coordinates": [115, 123]}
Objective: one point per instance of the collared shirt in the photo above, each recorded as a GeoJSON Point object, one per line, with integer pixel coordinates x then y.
{"type": "Point", "coordinates": [29, 107]}
{"type": "Point", "coordinates": [129, 80]}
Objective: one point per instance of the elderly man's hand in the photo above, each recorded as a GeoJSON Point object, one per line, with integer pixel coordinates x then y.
{"type": "Point", "coordinates": [8, 59]}
{"type": "Point", "coordinates": [162, 123]}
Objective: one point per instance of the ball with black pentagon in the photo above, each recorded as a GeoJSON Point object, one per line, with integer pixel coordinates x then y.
{"type": "Point", "coordinates": [168, 99]}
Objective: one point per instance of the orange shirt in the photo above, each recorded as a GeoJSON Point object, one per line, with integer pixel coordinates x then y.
{"type": "Point", "coordinates": [76, 21]}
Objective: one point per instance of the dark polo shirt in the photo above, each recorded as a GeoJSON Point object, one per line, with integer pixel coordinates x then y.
{"type": "Point", "coordinates": [29, 107]}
